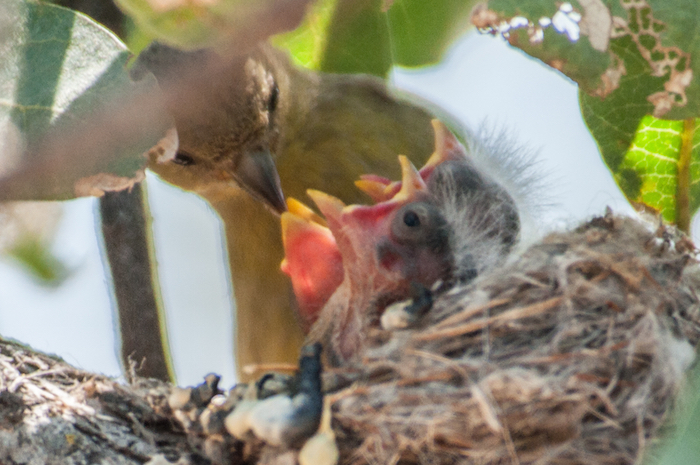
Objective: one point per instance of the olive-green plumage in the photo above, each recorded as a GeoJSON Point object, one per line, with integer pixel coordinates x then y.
{"type": "Point", "coordinates": [323, 132]}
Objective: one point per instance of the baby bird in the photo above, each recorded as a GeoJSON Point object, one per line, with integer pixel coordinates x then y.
{"type": "Point", "coordinates": [450, 221]}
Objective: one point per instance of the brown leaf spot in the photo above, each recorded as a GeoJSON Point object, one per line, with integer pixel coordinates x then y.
{"type": "Point", "coordinates": [596, 23]}
{"type": "Point", "coordinates": [166, 148]}
{"type": "Point", "coordinates": [97, 185]}
{"type": "Point", "coordinates": [662, 101]}
{"type": "Point", "coordinates": [557, 64]}
{"type": "Point", "coordinates": [610, 80]}
{"type": "Point", "coordinates": [483, 18]}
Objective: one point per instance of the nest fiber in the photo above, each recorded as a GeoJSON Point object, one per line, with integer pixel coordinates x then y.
{"type": "Point", "coordinates": [572, 353]}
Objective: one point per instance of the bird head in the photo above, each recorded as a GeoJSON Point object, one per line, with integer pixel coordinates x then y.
{"type": "Point", "coordinates": [225, 112]}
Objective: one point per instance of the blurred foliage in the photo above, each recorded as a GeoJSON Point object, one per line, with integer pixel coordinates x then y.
{"type": "Point", "coordinates": [341, 36]}
{"type": "Point", "coordinates": [682, 446]}
{"type": "Point", "coordinates": [205, 23]}
{"type": "Point", "coordinates": [26, 230]}
{"type": "Point", "coordinates": [36, 257]}
{"type": "Point", "coordinates": [61, 72]}
{"type": "Point", "coordinates": [371, 36]}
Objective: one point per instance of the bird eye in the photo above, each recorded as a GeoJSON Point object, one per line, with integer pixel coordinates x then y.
{"type": "Point", "coordinates": [419, 224]}
{"type": "Point", "coordinates": [413, 222]}
{"type": "Point", "coordinates": [411, 219]}
{"type": "Point", "coordinates": [183, 158]}
{"type": "Point", "coordinates": [273, 99]}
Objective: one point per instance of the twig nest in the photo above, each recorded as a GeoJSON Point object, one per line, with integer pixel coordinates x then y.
{"type": "Point", "coordinates": [572, 353]}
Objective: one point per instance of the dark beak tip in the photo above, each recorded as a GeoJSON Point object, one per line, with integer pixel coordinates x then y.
{"type": "Point", "coordinates": [278, 204]}
{"type": "Point", "coordinates": [257, 173]}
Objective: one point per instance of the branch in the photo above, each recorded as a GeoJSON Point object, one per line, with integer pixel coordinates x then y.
{"type": "Point", "coordinates": [51, 412]}
{"type": "Point", "coordinates": [125, 232]}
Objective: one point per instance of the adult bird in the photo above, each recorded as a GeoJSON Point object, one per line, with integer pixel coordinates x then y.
{"type": "Point", "coordinates": [233, 115]}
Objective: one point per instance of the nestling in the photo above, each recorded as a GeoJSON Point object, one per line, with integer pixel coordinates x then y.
{"type": "Point", "coordinates": [450, 221]}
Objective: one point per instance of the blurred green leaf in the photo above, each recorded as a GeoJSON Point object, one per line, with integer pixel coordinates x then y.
{"type": "Point", "coordinates": [632, 61]}
{"type": "Point", "coordinates": [370, 36]}
{"type": "Point", "coordinates": [357, 39]}
{"type": "Point", "coordinates": [218, 23]}
{"type": "Point", "coordinates": [36, 257]}
{"type": "Point", "coordinates": [421, 31]}
{"type": "Point", "coordinates": [683, 447]}
{"type": "Point", "coordinates": [339, 36]}
{"type": "Point", "coordinates": [64, 100]}
{"type": "Point", "coordinates": [307, 42]}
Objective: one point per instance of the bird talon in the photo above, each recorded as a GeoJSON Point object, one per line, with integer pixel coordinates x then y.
{"type": "Point", "coordinates": [407, 313]}
{"type": "Point", "coordinates": [284, 419]}
{"type": "Point", "coordinates": [321, 448]}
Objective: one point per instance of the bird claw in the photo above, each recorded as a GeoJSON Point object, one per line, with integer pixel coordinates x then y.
{"type": "Point", "coordinates": [285, 419]}
{"type": "Point", "coordinates": [407, 313]}
{"type": "Point", "coordinates": [321, 448]}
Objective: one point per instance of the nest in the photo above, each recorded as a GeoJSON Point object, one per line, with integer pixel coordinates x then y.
{"type": "Point", "coordinates": [573, 353]}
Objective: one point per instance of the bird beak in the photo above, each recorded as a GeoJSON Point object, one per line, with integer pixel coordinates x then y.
{"type": "Point", "coordinates": [257, 174]}
{"type": "Point", "coordinates": [331, 207]}
{"type": "Point", "coordinates": [311, 259]}
{"type": "Point", "coordinates": [299, 209]}
{"type": "Point", "coordinates": [376, 187]}
{"type": "Point", "coordinates": [447, 147]}
{"type": "Point", "coordinates": [352, 223]}
{"type": "Point", "coordinates": [411, 181]}
{"type": "Point", "coordinates": [315, 250]}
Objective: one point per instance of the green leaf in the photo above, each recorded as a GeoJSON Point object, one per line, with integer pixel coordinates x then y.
{"type": "Point", "coordinates": [307, 42]}
{"type": "Point", "coordinates": [68, 109]}
{"type": "Point", "coordinates": [651, 170]}
{"type": "Point", "coordinates": [370, 36]}
{"type": "Point", "coordinates": [220, 23]}
{"type": "Point", "coordinates": [608, 47]}
{"type": "Point", "coordinates": [421, 31]}
{"type": "Point", "coordinates": [632, 60]}
{"type": "Point", "coordinates": [357, 40]}
{"type": "Point", "coordinates": [683, 448]}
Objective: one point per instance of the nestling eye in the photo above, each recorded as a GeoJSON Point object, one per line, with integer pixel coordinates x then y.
{"type": "Point", "coordinates": [417, 223]}
{"type": "Point", "coordinates": [183, 158]}
{"type": "Point", "coordinates": [411, 219]}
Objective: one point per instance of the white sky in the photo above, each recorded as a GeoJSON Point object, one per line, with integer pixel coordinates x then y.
{"type": "Point", "coordinates": [482, 79]}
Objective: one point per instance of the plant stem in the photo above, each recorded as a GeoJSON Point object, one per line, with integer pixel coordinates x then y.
{"type": "Point", "coordinates": [683, 189]}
